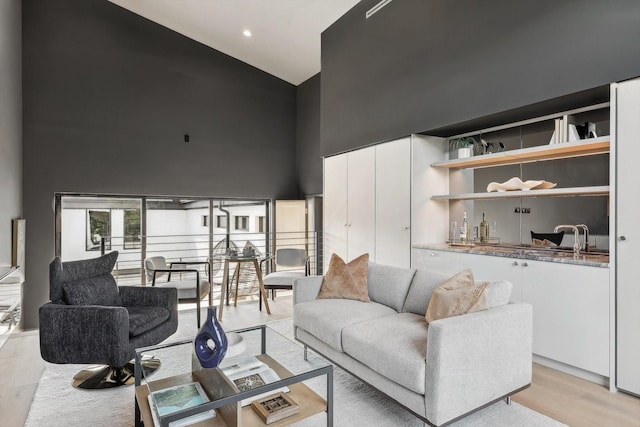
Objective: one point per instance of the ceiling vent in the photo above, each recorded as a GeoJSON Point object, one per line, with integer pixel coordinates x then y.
{"type": "Point", "coordinates": [376, 8]}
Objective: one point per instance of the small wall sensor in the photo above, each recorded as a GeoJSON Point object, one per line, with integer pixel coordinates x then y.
{"type": "Point", "coordinates": [186, 137]}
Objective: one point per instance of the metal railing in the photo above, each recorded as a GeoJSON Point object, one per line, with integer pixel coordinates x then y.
{"type": "Point", "coordinates": [130, 267]}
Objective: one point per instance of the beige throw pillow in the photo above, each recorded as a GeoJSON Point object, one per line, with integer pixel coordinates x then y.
{"type": "Point", "coordinates": [346, 281]}
{"type": "Point", "coordinates": [458, 295]}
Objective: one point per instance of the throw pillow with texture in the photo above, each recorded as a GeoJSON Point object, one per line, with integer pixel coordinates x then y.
{"type": "Point", "coordinates": [458, 295]}
{"type": "Point", "coordinates": [346, 281]}
{"type": "Point", "coordinates": [101, 290]}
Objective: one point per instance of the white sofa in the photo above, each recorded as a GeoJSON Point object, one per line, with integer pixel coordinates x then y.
{"type": "Point", "coordinates": [441, 371]}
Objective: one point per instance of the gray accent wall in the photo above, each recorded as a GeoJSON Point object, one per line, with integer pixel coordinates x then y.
{"type": "Point", "coordinates": [419, 65]}
{"type": "Point", "coordinates": [10, 123]}
{"type": "Point", "coordinates": [108, 98]}
{"type": "Point", "coordinates": [308, 157]}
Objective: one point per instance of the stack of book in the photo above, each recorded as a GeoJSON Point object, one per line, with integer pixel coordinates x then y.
{"type": "Point", "coordinates": [173, 399]}
{"type": "Point", "coordinates": [247, 373]}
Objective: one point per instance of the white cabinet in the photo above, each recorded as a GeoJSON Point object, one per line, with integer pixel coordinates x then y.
{"type": "Point", "coordinates": [373, 196]}
{"type": "Point", "coordinates": [393, 203]}
{"type": "Point", "coordinates": [570, 302]}
{"type": "Point", "coordinates": [349, 204]}
{"type": "Point", "coordinates": [626, 107]}
{"type": "Point", "coordinates": [335, 207]}
{"type": "Point", "coordinates": [443, 261]}
{"type": "Point", "coordinates": [570, 313]}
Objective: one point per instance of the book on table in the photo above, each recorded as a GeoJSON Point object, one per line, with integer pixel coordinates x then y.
{"type": "Point", "coordinates": [248, 373]}
{"type": "Point", "coordinates": [173, 399]}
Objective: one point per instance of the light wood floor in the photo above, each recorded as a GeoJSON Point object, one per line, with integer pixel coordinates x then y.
{"type": "Point", "coordinates": [571, 400]}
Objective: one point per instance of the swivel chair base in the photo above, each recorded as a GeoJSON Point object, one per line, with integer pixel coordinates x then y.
{"type": "Point", "coordinates": [97, 377]}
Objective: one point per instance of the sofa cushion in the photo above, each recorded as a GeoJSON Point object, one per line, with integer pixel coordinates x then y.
{"type": "Point", "coordinates": [389, 285]}
{"type": "Point", "coordinates": [460, 294]}
{"type": "Point", "coordinates": [347, 281]}
{"type": "Point", "coordinates": [143, 319]}
{"type": "Point", "coordinates": [101, 290]}
{"type": "Point", "coordinates": [423, 284]}
{"type": "Point", "coordinates": [393, 346]}
{"type": "Point", "coordinates": [326, 318]}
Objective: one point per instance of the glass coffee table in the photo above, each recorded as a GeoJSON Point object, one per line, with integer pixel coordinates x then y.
{"type": "Point", "coordinates": [220, 400]}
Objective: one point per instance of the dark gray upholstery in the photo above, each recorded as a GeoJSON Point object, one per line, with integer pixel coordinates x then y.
{"type": "Point", "coordinates": [101, 334]}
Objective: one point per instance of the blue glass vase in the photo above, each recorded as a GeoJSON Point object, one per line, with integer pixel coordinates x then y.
{"type": "Point", "coordinates": [211, 342]}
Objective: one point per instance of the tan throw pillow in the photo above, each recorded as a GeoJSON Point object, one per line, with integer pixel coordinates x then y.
{"type": "Point", "coordinates": [347, 281]}
{"type": "Point", "coordinates": [458, 295]}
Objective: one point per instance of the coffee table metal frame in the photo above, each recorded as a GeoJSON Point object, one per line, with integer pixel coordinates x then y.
{"type": "Point", "coordinates": [238, 397]}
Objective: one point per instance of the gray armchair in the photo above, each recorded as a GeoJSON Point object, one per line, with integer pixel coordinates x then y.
{"type": "Point", "coordinates": [91, 320]}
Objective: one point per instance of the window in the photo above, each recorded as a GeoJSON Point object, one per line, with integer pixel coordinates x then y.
{"type": "Point", "coordinates": [98, 226]}
{"type": "Point", "coordinates": [205, 220]}
{"type": "Point", "coordinates": [261, 224]}
{"type": "Point", "coordinates": [132, 233]}
{"type": "Point", "coordinates": [221, 221]}
{"type": "Point", "coordinates": [242, 223]}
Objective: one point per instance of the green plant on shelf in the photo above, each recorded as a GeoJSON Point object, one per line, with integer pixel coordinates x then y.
{"type": "Point", "coordinates": [467, 142]}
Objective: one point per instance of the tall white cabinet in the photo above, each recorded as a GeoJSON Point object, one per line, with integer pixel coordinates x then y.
{"type": "Point", "coordinates": [393, 202]}
{"type": "Point", "coordinates": [372, 195]}
{"type": "Point", "coordinates": [626, 105]}
{"type": "Point", "coordinates": [349, 204]}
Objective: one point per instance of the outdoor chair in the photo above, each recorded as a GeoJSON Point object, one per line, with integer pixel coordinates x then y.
{"type": "Point", "coordinates": [297, 265]}
{"type": "Point", "coordinates": [190, 289]}
{"type": "Point", "coordinates": [91, 320]}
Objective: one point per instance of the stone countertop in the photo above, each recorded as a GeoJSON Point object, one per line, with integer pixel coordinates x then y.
{"type": "Point", "coordinates": [532, 253]}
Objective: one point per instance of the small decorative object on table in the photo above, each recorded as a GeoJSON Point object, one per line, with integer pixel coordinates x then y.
{"type": "Point", "coordinates": [275, 407]}
{"type": "Point", "coordinates": [211, 341]}
{"type": "Point", "coordinates": [248, 251]}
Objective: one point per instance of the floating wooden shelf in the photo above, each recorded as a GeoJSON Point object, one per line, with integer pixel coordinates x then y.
{"type": "Point", "coordinates": [584, 147]}
{"type": "Point", "coordinates": [552, 192]}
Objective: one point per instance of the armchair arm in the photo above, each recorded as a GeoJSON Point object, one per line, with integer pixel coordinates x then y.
{"type": "Point", "coordinates": [145, 296]}
{"type": "Point", "coordinates": [477, 358]}
{"type": "Point", "coordinates": [306, 288]}
{"type": "Point", "coordinates": [207, 263]}
{"type": "Point", "coordinates": [84, 334]}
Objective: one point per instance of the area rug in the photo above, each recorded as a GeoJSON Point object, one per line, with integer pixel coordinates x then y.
{"type": "Point", "coordinates": [57, 403]}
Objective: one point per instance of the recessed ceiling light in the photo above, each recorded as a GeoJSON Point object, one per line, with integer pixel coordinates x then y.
{"type": "Point", "coordinates": [247, 33]}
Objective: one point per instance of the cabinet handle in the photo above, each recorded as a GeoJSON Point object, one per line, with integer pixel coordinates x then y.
{"type": "Point", "coordinates": [406, 228]}
{"type": "Point", "coordinates": [515, 263]}
{"type": "Point", "coordinates": [622, 238]}
{"type": "Point", "coordinates": [524, 264]}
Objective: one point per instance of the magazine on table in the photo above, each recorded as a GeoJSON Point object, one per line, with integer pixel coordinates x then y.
{"type": "Point", "coordinates": [248, 373]}
{"type": "Point", "coordinates": [179, 398]}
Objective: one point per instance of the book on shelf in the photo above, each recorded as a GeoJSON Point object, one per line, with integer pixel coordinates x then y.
{"type": "Point", "coordinates": [173, 399]}
{"type": "Point", "coordinates": [249, 373]}
{"type": "Point", "coordinates": [275, 407]}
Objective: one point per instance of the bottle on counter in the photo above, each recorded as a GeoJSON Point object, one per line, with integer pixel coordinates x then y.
{"type": "Point", "coordinates": [465, 232]}
{"type": "Point", "coordinates": [484, 229]}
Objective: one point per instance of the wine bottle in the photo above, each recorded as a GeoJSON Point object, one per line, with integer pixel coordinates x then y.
{"type": "Point", "coordinates": [465, 232]}
{"type": "Point", "coordinates": [484, 229]}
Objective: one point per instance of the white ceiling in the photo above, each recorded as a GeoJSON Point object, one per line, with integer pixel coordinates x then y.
{"type": "Point", "coordinates": [285, 37]}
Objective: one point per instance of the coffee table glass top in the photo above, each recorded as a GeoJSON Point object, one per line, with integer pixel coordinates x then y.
{"type": "Point", "coordinates": [262, 349]}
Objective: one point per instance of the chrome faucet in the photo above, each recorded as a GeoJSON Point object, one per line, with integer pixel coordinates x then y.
{"type": "Point", "coordinates": [585, 231]}
{"type": "Point", "coordinates": [576, 233]}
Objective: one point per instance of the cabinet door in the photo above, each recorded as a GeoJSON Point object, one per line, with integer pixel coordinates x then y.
{"type": "Point", "coordinates": [570, 313]}
{"type": "Point", "coordinates": [393, 203]}
{"type": "Point", "coordinates": [495, 268]}
{"type": "Point", "coordinates": [627, 234]}
{"type": "Point", "coordinates": [430, 259]}
{"type": "Point", "coordinates": [361, 203]}
{"type": "Point", "coordinates": [335, 208]}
